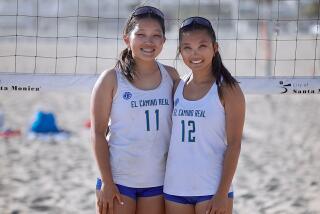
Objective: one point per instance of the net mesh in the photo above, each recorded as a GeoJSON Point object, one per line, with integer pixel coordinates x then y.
{"type": "Point", "coordinates": [257, 38]}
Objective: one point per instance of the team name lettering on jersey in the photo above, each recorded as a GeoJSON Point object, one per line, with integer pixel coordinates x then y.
{"type": "Point", "coordinates": [189, 113]}
{"type": "Point", "coordinates": [150, 102]}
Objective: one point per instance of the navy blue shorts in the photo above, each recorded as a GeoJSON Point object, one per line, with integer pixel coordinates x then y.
{"type": "Point", "coordinates": [190, 199]}
{"type": "Point", "coordinates": [135, 193]}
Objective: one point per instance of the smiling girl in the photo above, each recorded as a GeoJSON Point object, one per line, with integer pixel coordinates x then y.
{"type": "Point", "coordinates": [208, 119]}
{"type": "Point", "coordinates": [133, 103]}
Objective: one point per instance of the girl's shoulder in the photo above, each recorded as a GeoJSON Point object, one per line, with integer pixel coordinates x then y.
{"type": "Point", "coordinates": [231, 88]}
{"type": "Point", "coordinates": [232, 93]}
{"type": "Point", "coordinates": [107, 76]}
{"type": "Point", "coordinates": [106, 81]}
{"type": "Point", "coordinates": [172, 72]}
{"type": "Point", "coordinates": [174, 76]}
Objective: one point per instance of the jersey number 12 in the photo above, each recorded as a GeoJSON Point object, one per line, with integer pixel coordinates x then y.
{"type": "Point", "coordinates": [191, 130]}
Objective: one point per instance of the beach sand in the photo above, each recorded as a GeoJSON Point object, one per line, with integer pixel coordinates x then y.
{"type": "Point", "coordinates": [278, 171]}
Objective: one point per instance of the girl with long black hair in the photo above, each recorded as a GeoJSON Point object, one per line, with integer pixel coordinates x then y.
{"type": "Point", "coordinates": [133, 102]}
{"type": "Point", "coordinates": [208, 119]}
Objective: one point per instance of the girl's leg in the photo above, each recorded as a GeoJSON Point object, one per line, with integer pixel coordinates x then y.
{"type": "Point", "coordinates": [174, 208]}
{"type": "Point", "coordinates": [129, 206]}
{"type": "Point", "coordinates": [201, 207]}
{"type": "Point", "coordinates": [97, 208]}
{"type": "Point", "coordinates": [150, 205]}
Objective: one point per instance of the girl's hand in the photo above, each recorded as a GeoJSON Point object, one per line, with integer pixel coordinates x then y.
{"type": "Point", "coordinates": [106, 196]}
{"type": "Point", "coordinates": [217, 205]}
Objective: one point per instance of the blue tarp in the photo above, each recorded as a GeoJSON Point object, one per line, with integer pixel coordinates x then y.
{"type": "Point", "coordinates": [44, 123]}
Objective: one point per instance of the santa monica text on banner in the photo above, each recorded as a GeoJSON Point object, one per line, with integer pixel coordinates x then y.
{"type": "Point", "coordinates": [19, 88]}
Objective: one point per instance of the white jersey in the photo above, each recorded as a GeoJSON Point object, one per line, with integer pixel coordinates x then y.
{"type": "Point", "coordinates": [139, 135]}
{"type": "Point", "coordinates": [197, 145]}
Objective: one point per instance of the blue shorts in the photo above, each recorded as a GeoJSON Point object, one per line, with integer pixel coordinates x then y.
{"type": "Point", "coordinates": [135, 193]}
{"type": "Point", "coordinates": [191, 199]}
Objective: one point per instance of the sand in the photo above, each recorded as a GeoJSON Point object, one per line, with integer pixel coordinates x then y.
{"type": "Point", "coordinates": [278, 172]}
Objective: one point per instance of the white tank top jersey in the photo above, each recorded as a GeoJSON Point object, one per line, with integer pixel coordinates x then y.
{"type": "Point", "coordinates": [139, 132]}
{"type": "Point", "coordinates": [197, 145]}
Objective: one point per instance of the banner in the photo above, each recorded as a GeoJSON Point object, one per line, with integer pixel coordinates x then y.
{"type": "Point", "coordinates": [84, 83]}
{"type": "Point", "coordinates": [280, 85]}
{"type": "Point", "coordinates": [36, 83]}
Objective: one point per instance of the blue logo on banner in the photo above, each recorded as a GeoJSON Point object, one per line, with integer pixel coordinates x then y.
{"type": "Point", "coordinates": [284, 87]}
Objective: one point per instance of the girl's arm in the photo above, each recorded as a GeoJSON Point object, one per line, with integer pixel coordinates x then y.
{"type": "Point", "coordinates": [234, 105]}
{"type": "Point", "coordinates": [101, 102]}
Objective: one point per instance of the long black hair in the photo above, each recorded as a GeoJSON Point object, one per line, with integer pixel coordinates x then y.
{"type": "Point", "coordinates": [126, 62]}
{"type": "Point", "coordinates": [219, 71]}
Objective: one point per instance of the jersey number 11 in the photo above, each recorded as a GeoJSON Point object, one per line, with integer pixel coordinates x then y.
{"type": "Point", "coordinates": [148, 119]}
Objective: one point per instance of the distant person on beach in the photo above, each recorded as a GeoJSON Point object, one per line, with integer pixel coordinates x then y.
{"type": "Point", "coordinates": [133, 102]}
{"type": "Point", "coordinates": [207, 125]}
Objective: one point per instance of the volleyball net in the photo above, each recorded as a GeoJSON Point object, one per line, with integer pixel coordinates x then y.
{"type": "Point", "coordinates": [270, 46]}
